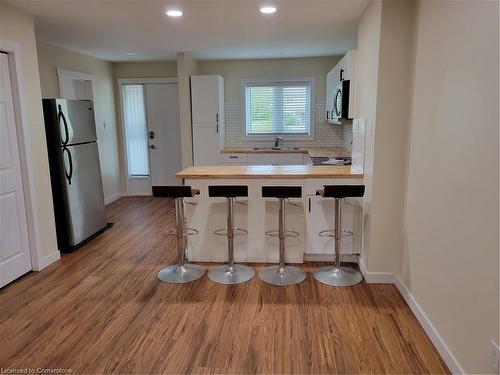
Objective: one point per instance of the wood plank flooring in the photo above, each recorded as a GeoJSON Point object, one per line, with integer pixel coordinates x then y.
{"type": "Point", "coordinates": [102, 310]}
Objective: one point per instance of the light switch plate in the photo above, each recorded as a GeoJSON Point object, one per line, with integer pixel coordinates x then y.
{"type": "Point", "coordinates": [495, 357]}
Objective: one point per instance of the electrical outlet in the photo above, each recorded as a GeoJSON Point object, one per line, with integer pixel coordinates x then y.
{"type": "Point", "coordinates": [495, 357]}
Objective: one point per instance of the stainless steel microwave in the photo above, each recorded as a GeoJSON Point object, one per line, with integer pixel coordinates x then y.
{"type": "Point", "coordinates": [341, 102]}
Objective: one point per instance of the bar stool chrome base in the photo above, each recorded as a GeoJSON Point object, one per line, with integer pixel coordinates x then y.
{"type": "Point", "coordinates": [235, 274]}
{"type": "Point", "coordinates": [282, 276]}
{"type": "Point", "coordinates": [177, 274]}
{"type": "Point", "coordinates": [337, 276]}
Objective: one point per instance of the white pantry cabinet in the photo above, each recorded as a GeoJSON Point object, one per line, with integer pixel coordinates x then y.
{"type": "Point", "coordinates": [207, 115]}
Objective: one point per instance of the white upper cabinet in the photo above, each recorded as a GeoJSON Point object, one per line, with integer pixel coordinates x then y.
{"type": "Point", "coordinates": [344, 70]}
{"type": "Point", "coordinates": [207, 111]}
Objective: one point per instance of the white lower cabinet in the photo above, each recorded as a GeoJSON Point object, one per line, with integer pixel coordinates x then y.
{"type": "Point", "coordinates": [234, 159]}
{"type": "Point", "coordinates": [307, 216]}
{"type": "Point", "coordinates": [264, 159]}
{"type": "Point", "coordinates": [320, 214]}
{"type": "Point", "coordinates": [275, 159]}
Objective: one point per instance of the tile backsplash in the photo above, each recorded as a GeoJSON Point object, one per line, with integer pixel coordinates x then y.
{"type": "Point", "coordinates": [325, 134]}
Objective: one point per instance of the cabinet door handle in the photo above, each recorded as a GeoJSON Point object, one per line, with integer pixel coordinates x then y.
{"type": "Point", "coordinates": [233, 157]}
{"type": "Point", "coordinates": [328, 115]}
{"type": "Point", "coordinates": [309, 204]}
{"type": "Point", "coordinates": [217, 119]}
{"type": "Point", "coordinates": [341, 75]}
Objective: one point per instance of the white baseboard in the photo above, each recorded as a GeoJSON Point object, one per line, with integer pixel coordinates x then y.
{"type": "Point", "coordinates": [113, 198]}
{"type": "Point", "coordinates": [48, 260]}
{"type": "Point", "coordinates": [429, 329]}
{"type": "Point", "coordinates": [349, 258]}
{"type": "Point", "coordinates": [375, 277]}
{"type": "Point", "coordinates": [437, 340]}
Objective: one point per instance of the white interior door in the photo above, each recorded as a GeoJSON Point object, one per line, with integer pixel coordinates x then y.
{"type": "Point", "coordinates": [15, 257]}
{"type": "Point", "coordinates": [162, 108]}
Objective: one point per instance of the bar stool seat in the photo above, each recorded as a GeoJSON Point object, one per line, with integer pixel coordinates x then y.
{"type": "Point", "coordinates": [181, 272]}
{"type": "Point", "coordinates": [338, 275]}
{"type": "Point", "coordinates": [230, 273]}
{"type": "Point", "coordinates": [282, 274]}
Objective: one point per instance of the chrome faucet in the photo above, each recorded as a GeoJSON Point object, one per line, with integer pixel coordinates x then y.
{"type": "Point", "coordinates": [277, 140]}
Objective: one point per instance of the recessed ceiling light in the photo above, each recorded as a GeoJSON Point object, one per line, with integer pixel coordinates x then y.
{"type": "Point", "coordinates": [174, 13]}
{"type": "Point", "coordinates": [267, 9]}
{"type": "Point", "coordinates": [131, 53]}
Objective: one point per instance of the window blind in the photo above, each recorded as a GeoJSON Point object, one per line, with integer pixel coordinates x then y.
{"type": "Point", "coordinates": [283, 107]}
{"type": "Point", "coordinates": [134, 117]}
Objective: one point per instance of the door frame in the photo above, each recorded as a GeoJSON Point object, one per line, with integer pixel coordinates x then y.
{"type": "Point", "coordinates": [38, 262]}
{"type": "Point", "coordinates": [133, 81]}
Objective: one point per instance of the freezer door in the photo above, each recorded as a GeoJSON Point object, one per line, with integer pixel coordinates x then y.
{"type": "Point", "coordinates": [83, 185]}
{"type": "Point", "coordinates": [75, 119]}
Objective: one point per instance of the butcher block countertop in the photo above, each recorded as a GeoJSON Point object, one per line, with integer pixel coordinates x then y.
{"type": "Point", "coordinates": [270, 172]}
{"type": "Point", "coordinates": [312, 151]}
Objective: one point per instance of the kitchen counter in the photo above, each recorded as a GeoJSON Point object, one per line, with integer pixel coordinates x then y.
{"type": "Point", "coordinates": [270, 172]}
{"type": "Point", "coordinates": [312, 151]}
{"type": "Point", "coordinates": [307, 215]}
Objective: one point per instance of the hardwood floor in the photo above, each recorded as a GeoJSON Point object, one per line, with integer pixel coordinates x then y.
{"type": "Point", "coordinates": [102, 310]}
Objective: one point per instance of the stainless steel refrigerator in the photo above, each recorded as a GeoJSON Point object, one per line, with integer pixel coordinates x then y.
{"type": "Point", "coordinates": [75, 171]}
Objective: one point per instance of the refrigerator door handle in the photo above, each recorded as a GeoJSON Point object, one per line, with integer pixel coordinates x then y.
{"type": "Point", "coordinates": [69, 174]}
{"type": "Point", "coordinates": [60, 116]}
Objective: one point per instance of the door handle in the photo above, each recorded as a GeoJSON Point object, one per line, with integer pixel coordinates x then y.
{"type": "Point", "coordinates": [60, 116]}
{"type": "Point", "coordinates": [69, 175]}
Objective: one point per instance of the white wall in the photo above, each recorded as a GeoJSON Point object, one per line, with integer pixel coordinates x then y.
{"type": "Point", "coordinates": [18, 27]}
{"type": "Point", "coordinates": [428, 86]}
{"type": "Point", "coordinates": [450, 255]}
{"type": "Point", "coordinates": [50, 58]}
{"type": "Point", "coordinates": [186, 67]}
{"type": "Point", "coordinates": [367, 56]}
{"type": "Point", "coordinates": [234, 71]}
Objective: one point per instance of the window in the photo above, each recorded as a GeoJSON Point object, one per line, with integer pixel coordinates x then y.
{"type": "Point", "coordinates": [278, 107]}
{"type": "Point", "coordinates": [134, 118]}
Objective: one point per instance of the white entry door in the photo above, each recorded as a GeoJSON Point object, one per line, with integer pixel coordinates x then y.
{"type": "Point", "coordinates": [15, 257]}
{"type": "Point", "coordinates": [152, 135]}
{"type": "Point", "coordinates": [164, 134]}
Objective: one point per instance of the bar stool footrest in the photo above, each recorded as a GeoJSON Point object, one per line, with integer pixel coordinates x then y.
{"type": "Point", "coordinates": [288, 233]}
{"type": "Point", "coordinates": [189, 232]}
{"type": "Point", "coordinates": [331, 233]}
{"type": "Point", "coordinates": [236, 232]}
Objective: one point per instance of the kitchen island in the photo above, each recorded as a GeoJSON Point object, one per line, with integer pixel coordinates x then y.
{"type": "Point", "coordinates": [307, 215]}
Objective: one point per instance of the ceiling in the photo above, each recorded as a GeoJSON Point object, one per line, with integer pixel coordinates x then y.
{"type": "Point", "coordinates": [229, 29]}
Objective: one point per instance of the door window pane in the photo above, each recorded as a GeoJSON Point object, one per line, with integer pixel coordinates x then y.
{"type": "Point", "coordinates": [134, 118]}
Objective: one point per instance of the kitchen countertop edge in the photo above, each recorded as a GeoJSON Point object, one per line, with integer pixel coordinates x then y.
{"type": "Point", "coordinates": [270, 172]}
